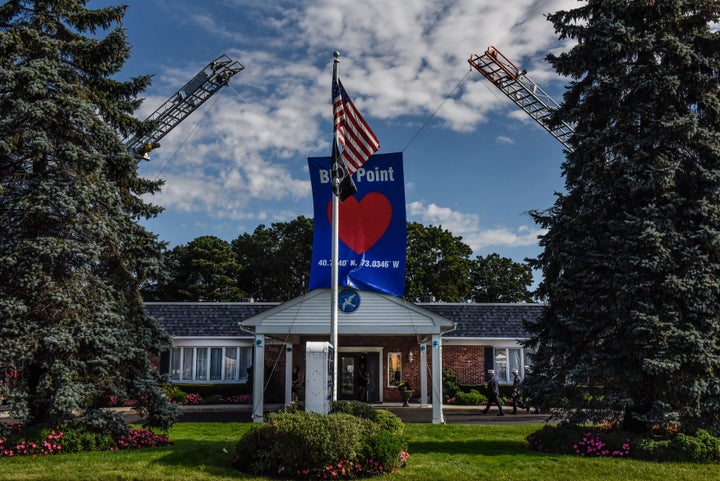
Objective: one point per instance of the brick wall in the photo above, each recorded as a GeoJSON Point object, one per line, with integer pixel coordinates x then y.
{"type": "Point", "coordinates": [466, 362]}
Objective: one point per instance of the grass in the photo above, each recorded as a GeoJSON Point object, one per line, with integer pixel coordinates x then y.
{"type": "Point", "coordinates": [437, 452]}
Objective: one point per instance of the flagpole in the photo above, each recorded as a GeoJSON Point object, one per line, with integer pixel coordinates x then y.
{"type": "Point", "coordinates": [335, 255]}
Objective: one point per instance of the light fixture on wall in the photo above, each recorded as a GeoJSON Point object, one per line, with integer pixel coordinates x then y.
{"type": "Point", "coordinates": [410, 356]}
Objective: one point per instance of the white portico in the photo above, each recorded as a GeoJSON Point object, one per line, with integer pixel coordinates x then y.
{"type": "Point", "coordinates": [383, 331]}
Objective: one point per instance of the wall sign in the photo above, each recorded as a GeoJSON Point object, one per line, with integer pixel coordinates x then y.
{"type": "Point", "coordinates": [348, 300]}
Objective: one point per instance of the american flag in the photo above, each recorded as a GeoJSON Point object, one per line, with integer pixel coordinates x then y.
{"type": "Point", "coordinates": [354, 135]}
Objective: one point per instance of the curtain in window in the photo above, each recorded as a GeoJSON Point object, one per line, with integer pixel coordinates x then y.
{"type": "Point", "coordinates": [216, 362]}
{"type": "Point", "coordinates": [175, 363]}
{"type": "Point", "coordinates": [187, 363]}
{"type": "Point", "coordinates": [201, 364]}
{"type": "Point", "coordinates": [501, 363]}
{"type": "Point", "coordinates": [230, 363]}
{"type": "Point", "coordinates": [515, 357]}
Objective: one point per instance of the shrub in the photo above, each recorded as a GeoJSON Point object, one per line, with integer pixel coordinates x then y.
{"type": "Point", "coordinates": [385, 448]}
{"type": "Point", "coordinates": [389, 422]}
{"type": "Point", "coordinates": [178, 396]}
{"type": "Point", "coordinates": [594, 441]}
{"type": "Point", "coordinates": [140, 438]}
{"type": "Point", "coordinates": [36, 440]}
{"type": "Point", "coordinates": [556, 439]}
{"type": "Point", "coordinates": [313, 445]}
{"type": "Point", "coordinates": [108, 422]}
{"type": "Point", "coordinates": [212, 399]}
{"type": "Point", "coordinates": [192, 399]}
{"type": "Point", "coordinates": [451, 384]}
{"type": "Point", "coordinates": [568, 438]}
{"type": "Point", "coordinates": [355, 408]}
{"type": "Point", "coordinates": [236, 399]}
{"type": "Point", "coordinates": [472, 398]}
{"type": "Point", "coordinates": [701, 448]}
{"type": "Point", "coordinates": [75, 440]}
{"type": "Point", "coordinates": [712, 445]}
{"type": "Point", "coordinates": [225, 390]}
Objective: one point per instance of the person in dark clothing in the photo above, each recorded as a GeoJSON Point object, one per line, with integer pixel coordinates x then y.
{"type": "Point", "coordinates": [363, 380]}
{"type": "Point", "coordinates": [298, 384]}
{"type": "Point", "coordinates": [516, 395]}
{"type": "Point", "coordinates": [493, 394]}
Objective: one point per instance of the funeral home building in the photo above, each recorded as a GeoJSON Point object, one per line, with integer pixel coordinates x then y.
{"type": "Point", "coordinates": [384, 343]}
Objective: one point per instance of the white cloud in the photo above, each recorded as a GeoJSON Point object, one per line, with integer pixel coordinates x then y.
{"type": "Point", "coordinates": [399, 59]}
{"type": "Point", "coordinates": [468, 226]}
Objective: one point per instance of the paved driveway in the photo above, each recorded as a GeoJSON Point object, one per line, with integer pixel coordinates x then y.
{"type": "Point", "coordinates": [410, 414]}
{"type": "Point", "coordinates": [241, 413]}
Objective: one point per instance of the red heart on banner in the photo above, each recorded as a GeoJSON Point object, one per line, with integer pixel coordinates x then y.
{"type": "Point", "coordinates": [363, 223]}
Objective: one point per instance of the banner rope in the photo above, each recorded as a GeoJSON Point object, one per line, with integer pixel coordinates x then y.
{"type": "Point", "coordinates": [437, 110]}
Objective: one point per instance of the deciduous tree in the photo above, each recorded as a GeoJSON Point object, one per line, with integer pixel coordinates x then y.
{"type": "Point", "coordinates": [438, 265]}
{"type": "Point", "coordinates": [500, 279]}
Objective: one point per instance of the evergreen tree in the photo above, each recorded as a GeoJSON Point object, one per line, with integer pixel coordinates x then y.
{"type": "Point", "coordinates": [71, 251]}
{"type": "Point", "coordinates": [276, 260]}
{"type": "Point", "coordinates": [631, 260]}
{"type": "Point", "coordinates": [206, 269]}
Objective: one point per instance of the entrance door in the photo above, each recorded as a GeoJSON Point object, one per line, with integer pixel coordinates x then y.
{"type": "Point", "coordinates": [358, 376]}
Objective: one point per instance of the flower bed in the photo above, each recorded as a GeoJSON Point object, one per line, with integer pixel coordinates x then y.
{"type": "Point", "coordinates": [14, 442]}
{"type": "Point", "coordinates": [605, 441]}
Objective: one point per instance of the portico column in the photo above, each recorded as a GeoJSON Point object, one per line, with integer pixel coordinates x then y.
{"type": "Point", "coordinates": [423, 376]}
{"type": "Point", "coordinates": [437, 399]}
{"type": "Point", "coordinates": [288, 373]}
{"type": "Point", "coordinates": [258, 403]}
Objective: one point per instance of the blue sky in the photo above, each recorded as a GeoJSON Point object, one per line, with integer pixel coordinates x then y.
{"type": "Point", "coordinates": [475, 168]}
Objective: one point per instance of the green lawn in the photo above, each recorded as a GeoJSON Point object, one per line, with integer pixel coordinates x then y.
{"type": "Point", "coordinates": [437, 452]}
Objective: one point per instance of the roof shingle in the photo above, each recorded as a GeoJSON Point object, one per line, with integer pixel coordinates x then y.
{"type": "Point", "coordinates": [209, 319]}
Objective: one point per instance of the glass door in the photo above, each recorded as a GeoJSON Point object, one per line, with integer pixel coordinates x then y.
{"type": "Point", "coordinates": [358, 376]}
{"type": "Point", "coordinates": [347, 374]}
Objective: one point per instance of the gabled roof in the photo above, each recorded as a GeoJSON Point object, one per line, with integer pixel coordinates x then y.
{"type": "Point", "coordinates": [488, 320]}
{"type": "Point", "coordinates": [376, 314]}
{"type": "Point", "coordinates": [307, 313]}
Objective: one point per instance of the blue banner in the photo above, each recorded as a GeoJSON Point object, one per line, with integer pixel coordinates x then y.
{"type": "Point", "coordinates": [372, 229]}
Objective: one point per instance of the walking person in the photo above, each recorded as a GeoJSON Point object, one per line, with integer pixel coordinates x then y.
{"type": "Point", "coordinates": [493, 394]}
{"type": "Point", "coordinates": [516, 395]}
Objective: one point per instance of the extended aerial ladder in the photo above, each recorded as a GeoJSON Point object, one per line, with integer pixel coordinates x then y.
{"type": "Point", "coordinates": [189, 98]}
{"type": "Point", "coordinates": [525, 93]}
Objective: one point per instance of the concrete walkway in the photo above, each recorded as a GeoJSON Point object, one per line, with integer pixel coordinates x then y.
{"type": "Point", "coordinates": [415, 413]}
{"type": "Point", "coordinates": [411, 414]}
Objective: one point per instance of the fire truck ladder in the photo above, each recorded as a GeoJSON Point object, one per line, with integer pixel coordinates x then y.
{"type": "Point", "coordinates": [189, 98]}
{"type": "Point", "coordinates": [525, 93]}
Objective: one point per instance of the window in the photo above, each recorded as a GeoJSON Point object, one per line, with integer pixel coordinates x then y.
{"type": "Point", "coordinates": [201, 363]}
{"type": "Point", "coordinates": [394, 368]}
{"type": "Point", "coordinates": [187, 362]}
{"type": "Point", "coordinates": [217, 364]}
{"type": "Point", "coordinates": [231, 363]}
{"type": "Point", "coordinates": [507, 359]}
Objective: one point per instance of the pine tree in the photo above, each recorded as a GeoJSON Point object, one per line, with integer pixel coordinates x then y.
{"type": "Point", "coordinates": [206, 269]}
{"type": "Point", "coordinates": [631, 259]}
{"type": "Point", "coordinates": [72, 254]}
